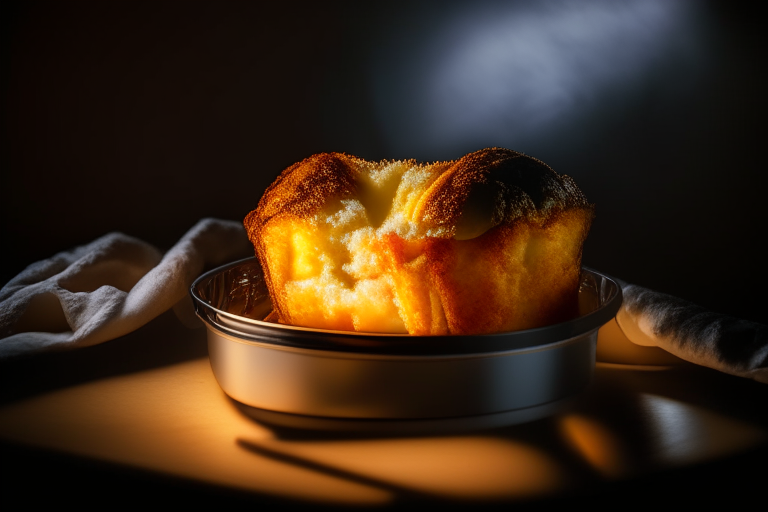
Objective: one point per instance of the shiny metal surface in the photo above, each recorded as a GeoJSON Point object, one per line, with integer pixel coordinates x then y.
{"type": "Point", "coordinates": [511, 377]}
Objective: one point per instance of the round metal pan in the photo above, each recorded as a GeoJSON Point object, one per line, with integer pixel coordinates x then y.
{"type": "Point", "coordinates": [315, 378]}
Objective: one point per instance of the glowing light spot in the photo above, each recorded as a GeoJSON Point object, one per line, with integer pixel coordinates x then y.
{"type": "Point", "coordinates": [685, 434]}
{"type": "Point", "coordinates": [505, 73]}
{"type": "Point", "coordinates": [596, 444]}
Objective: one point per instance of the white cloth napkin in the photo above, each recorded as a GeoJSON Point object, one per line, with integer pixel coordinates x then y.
{"type": "Point", "coordinates": [117, 283]}
{"type": "Point", "coordinates": [110, 287]}
{"type": "Point", "coordinates": [692, 333]}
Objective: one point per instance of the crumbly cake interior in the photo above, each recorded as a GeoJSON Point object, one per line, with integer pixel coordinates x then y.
{"type": "Point", "coordinates": [427, 249]}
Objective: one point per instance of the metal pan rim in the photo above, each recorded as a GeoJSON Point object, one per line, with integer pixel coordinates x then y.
{"type": "Point", "coordinates": [331, 341]}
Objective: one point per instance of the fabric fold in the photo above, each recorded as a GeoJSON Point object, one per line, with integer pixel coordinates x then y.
{"type": "Point", "coordinates": [694, 334]}
{"type": "Point", "coordinates": [110, 287]}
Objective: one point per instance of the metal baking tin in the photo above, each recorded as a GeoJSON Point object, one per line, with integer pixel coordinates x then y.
{"type": "Point", "coordinates": [301, 376]}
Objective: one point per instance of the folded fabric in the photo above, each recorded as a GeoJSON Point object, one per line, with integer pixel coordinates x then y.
{"type": "Point", "coordinates": [690, 332]}
{"type": "Point", "coordinates": [117, 283]}
{"type": "Point", "coordinates": [109, 288]}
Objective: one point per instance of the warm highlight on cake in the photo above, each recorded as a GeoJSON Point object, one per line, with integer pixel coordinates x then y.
{"type": "Point", "coordinates": [488, 243]}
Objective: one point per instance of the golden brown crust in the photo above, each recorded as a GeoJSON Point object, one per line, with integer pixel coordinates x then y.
{"type": "Point", "coordinates": [302, 189]}
{"type": "Point", "coordinates": [299, 192]}
{"type": "Point", "coordinates": [521, 186]}
{"type": "Point", "coordinates": [518, 185]}
{"type": "Point", "coordinates": [500, 247]}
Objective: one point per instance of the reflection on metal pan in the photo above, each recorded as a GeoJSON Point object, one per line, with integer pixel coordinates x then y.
{"type": "Point", "coordinates": [322, 379]}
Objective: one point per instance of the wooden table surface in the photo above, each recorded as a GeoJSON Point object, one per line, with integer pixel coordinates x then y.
{"type": "Point", "coordinates": [140, 421]}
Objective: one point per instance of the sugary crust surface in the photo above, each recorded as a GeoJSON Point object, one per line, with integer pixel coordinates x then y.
{"type": "Point", "coordinates": [303, 188]}
{"type": "Point", "coordinates": [488, 243]}
{"type": "Point", "coordinates": [517, 185]}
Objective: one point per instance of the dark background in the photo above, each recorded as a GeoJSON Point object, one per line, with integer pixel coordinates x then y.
{"type": "Point", "coordinates": [144, 117]}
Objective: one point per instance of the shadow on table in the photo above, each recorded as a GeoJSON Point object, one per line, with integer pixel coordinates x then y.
{"type": "Point", "coordinates": [683, 435]}
{"type": "Point", "coordinates": [161, 342]}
